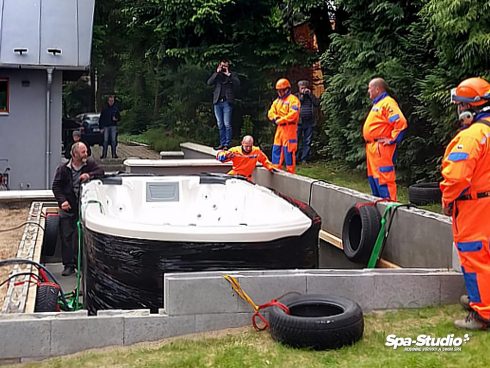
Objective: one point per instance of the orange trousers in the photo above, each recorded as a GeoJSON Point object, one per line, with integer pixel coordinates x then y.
{"type": "Point", "coordinates": [380, 161]}
{"type": "Point", "coordinates": [284, 148]}
{"type": "Point", "coordinates": [471, 233]}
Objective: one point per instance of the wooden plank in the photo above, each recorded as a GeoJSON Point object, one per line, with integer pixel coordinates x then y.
{"type": "Point", "coordinates": [337, 242]}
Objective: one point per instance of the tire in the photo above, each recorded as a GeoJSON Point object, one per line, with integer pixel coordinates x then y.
{"type": "Point", "coordinates": [317, 321]}
{"type": "Point", "coordinates": [47, 297]}
{"type": "Point", "coordinates": [424, 193]}
{"type": "Point", "coordinates": [359, 232]}
{"type": "Point", "coordinates": [50, 238]}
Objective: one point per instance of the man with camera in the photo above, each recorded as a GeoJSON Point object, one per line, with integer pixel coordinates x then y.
{"type": "Point", "coordinates": [225, 83]}
{"type": "Point", "coordinates": [306, 119]}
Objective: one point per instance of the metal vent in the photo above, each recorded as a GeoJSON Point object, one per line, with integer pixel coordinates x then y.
{"type": "Point", "coordinates": [162, 192]}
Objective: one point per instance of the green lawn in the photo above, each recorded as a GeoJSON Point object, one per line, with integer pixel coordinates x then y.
{"type": "Point", "coordinates": [338, 174]}
{"type": "Point", "coordinates": [247, 348]}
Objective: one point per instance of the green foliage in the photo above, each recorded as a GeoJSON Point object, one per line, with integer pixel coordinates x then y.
{"type": "Point", "coordinates": [422, 49]}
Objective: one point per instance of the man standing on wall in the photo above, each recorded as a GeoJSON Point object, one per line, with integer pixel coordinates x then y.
{"type": "Point", "coordinates": [284, 112]}
{"type": "Point", "coordinates": [466, 197]}
{"type": "Point", "coordinates": [109, 118]}
{"type": "Point", "coordinates": [225, 83]}
{"type": "Point", "coordinates": [66, 189]}
{"type": "Point", "coordinates": [383, 129]}
{"type": "Point", "coordinates": [306, 124]}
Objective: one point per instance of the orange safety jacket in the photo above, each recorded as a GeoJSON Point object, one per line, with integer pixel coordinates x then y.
{"type": "Point", "coordinates": [244, 163]}
{"type": "Point", "coordinates": [285, 110]}
{"type": "Point", "coordinates": [466, 164]}
{"type": "Point", "coordinates": [385, 120]}
{"type": "Point", "coordinates": [466, 187]}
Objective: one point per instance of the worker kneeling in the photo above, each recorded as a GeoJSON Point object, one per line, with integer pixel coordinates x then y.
{"type": "Point", "coordinates": [245, 158]}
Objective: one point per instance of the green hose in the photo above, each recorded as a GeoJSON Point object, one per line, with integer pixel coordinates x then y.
{"type": "Point", "coordinates": [383, 232]}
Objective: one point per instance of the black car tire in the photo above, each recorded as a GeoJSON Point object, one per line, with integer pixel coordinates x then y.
{"type": "Point", "coordinates": [51, 231]}
{"type": "Point", "coordinates": [360, 231]}
{"type": "Point", "coordinates": [424, 193]}
{"type": "Point", "coordinates": [47, 297]}
{"type": "Point", "coordinates": [317, 321]}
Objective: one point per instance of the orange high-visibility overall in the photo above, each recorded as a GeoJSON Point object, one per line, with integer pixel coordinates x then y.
{"type": "Point", "coordinates": [285, 113]}
{"type": "Point", "coordinates": [466, 187]}
{"type": "Point", "coordinates": [385, 120]}
{"type": "Point", "coordinates": [244, 163]}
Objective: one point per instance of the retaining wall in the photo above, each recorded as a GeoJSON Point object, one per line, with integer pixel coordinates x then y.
{"type": "Point", "coordinates": [204, 301]}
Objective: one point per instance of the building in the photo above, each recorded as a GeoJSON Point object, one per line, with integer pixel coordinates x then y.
{"type": "Point", "coordinates": [42, 42]}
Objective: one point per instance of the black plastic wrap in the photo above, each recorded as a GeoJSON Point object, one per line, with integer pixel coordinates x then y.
{"type": "Point", "coordinates": [125, 273]}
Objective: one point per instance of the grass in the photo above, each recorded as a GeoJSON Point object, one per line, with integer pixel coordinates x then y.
{"type": "Point", "coordinates": [156, 138]}
{"type": "Point", "coordinates": [336, 173]}
{"type": "Point", "coordinates": [247, 348]}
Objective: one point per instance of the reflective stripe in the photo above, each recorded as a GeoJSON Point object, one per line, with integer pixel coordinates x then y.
{"type": "Point", "coordinates": [385, 169]}
{"type": "Point", "coordinates": [394, 118]}
{"type": "Point", "coordinates": [469, 246]}
{"type": "Point", "coordinates": [457, 156]}
{"type": "Point", "coordinates": [471, 284]}
{"type": "Point", "coordinates": [294, 107]}
{"type": "Point", "coordinates": [293, 141]}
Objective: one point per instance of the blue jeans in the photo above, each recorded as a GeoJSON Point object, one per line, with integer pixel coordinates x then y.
{"type": "Point", "coordinates": [222, 111]}
{"type": "Point", "coordinates": [110, 134]}
{"type": "Point", "coordinates": [305, 135]}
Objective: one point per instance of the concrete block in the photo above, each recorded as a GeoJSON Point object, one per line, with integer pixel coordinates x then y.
{"type": "Point", "coordinates": [270, 286]}
{"type": "Point", "coordinates": [406, 290]}
{"type": "Point", "coordinates": [25, 338]}
{"type": "Point", "coordinates": [80, 313]}
{"type": "Point", "coordinates": [77, 334]}
{"type": "Point", "coordinates": [156, 327]}
{"type": "Point", "coordinates": [196, 295]}
{"type": "Point", "coordinates": [123, 312]}
{"type": "Point", "coordinates": [358, 287]}
{"type": "Point", "coordinates": [452, 287]}
{"type": "Point", "coordinates": [213, 322]}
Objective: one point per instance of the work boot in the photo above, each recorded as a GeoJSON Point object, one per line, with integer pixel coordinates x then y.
{"type": "Point", "coordinates": [68, 270]}
{"type": "Point", "coordinates": [464, 300]}
{"type": "Point", "coordinates": [472, 322]}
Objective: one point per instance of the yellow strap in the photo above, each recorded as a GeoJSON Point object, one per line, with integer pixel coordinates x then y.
{"type": "Point", "coordinates": [238, 289]}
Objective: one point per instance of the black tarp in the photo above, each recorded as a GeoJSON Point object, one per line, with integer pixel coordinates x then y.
{"type": "Point", "coordinates": [124, 273]}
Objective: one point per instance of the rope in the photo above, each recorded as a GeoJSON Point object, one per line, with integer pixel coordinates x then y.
{"type": "Point", "coordinates": [257, 308]}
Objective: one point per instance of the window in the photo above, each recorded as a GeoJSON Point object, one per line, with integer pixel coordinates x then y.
{"type": "Point", "coordinates": [4, 95]}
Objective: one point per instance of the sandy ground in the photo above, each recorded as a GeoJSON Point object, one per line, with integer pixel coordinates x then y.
{"type": "Point", "coordinates": [10, 216]}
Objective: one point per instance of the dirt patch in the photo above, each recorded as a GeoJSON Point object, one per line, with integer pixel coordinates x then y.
{"type": "Point", "coordinates": [11, 215]}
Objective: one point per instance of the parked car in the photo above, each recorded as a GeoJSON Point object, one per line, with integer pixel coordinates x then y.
{"type": "Point", "coordinates": [91, 133]}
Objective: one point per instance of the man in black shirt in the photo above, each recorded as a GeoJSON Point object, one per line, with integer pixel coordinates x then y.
{"type": "Point", "coordinates": [225, 83]}
{"type": "Point", "coordinates": [306, 120]}
{"type": "Point", "coordinates": [66, 189]}
{"type": "Point", "coordinates": [109, 118]}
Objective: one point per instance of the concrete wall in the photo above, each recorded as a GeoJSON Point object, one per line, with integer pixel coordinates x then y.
{"type": "Point", "coordinates": [204, 301]}
{"type": "Point", "coordinates": [22, 129]}
{"type": "Point", "coordinates": [417, 238]}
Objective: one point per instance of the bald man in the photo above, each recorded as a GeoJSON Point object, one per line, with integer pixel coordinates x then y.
{"type": "Point", "coordinates": [383, 129]}
{"type": "Point", "coordinates": [245, 158]}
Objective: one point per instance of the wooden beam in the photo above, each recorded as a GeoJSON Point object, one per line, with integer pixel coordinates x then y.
{"type": "Point", "coordinates": [337, 242]}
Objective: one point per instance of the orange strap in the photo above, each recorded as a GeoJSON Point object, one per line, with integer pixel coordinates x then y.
{"type": "Point", "coordinates": [242, 294]}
